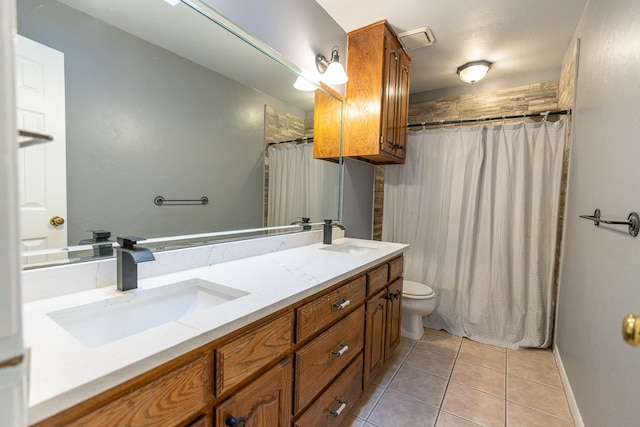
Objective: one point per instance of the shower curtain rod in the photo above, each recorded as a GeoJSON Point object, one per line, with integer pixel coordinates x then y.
{"type": "Point", "coordinates": [488, 119]}
{"type": "Point", "coordinates": [302, 140]}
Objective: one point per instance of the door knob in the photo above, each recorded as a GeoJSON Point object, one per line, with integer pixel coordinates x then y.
{"type": "Point", "coordinates": [631, 330]}
{"type": "Point", "coordinates": [56, 221]}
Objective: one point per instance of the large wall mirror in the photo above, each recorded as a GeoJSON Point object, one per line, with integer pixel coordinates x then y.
{"type": "Point", "coordinates": [166, 101]}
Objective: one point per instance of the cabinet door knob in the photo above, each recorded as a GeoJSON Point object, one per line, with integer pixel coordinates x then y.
{"type": "Point", "coordinates": [235, 422]}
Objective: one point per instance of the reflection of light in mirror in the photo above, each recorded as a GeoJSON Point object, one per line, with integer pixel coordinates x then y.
{"type": "Point", "coordinates": [303, 84]}
{"type": "Point", "coordinates": [172, 2]}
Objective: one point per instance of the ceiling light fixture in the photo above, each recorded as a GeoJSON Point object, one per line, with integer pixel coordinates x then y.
{"type": "Point", "coordinates": [473, 72]}
{"type": "Point", "coordinates": [332, 71]}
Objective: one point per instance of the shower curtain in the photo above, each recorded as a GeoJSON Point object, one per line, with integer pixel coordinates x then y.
{"type": "Point", "coordinates": [479, 207]}
{"type": "Point", "coordinates": [300, 186]}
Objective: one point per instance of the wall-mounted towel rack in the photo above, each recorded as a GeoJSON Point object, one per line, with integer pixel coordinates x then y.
{"type": "Point", "coordinates": [34, 138]}
{"type": "Point", "coordinates": [160, 201]}
{"type": "Point", "coordinates": [633, 221]}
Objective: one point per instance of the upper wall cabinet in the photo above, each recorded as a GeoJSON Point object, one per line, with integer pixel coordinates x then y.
{"type": "Point", "coordinates": [377, 104]}
{"type": "Point", "coordinates": [377, 96]}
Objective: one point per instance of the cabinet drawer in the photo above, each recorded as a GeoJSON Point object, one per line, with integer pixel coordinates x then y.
{"type": "Point", "coordinates": [330, 408]}
{"type": "Point", "coordinates": [377, 279]}
{"type": "Point", "coordinates": [318, 362]}
{"type": "Point", "coordinates": [315, 315]}
{"type": "Point", "coordinates": [243, 356]}
{"type": "Point", "coordinates": [396, 266]}
{"type": "Point", "coordinates": [167, 400]}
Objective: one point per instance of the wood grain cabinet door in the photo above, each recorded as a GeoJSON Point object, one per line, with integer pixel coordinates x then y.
{"type": "Point", "coordinates": [376, 314]}
{"type": "Point", "coordinates": [394, 314]}
{"type": "Point", "coordinates": [265, 402]}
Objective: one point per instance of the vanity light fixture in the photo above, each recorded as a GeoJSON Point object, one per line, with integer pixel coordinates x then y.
{"type": "Point", "coordinates": [172, 2]}
{"type": "Point", "coordinates": [332, 71]}
{"type": "Point", "coordinates": [473, 72]}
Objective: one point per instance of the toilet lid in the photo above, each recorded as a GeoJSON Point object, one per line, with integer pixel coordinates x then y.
{"type": "Point", "coordinates": [415, 290]}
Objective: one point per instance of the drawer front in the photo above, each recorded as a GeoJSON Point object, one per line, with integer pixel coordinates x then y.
{"type": "Point", "coordinates": [168, 400]}
{"type": "Point", "coordinates": [322, 311]}
{"type": "Point", "coordinates": [330, 408]}
{"type": "Point", "coordinates": [396, 267]}
{"type": "Point", "coordinates": [243, 356]}
{"type": "Point", "coordinates": [377, 279]}
{"type": "Point", "coordinates": [318, 362]}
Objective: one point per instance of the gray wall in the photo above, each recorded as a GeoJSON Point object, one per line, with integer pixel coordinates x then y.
{"type": "Point", "coordinates": [143, 122]}
{"type": "Point", "coordinates": [600, 280]}
{"type": "Point", "coordinates": [357, 208]}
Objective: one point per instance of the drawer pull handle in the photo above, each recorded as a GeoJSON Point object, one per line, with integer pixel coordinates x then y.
{"type": "Point", "coordinates": [340, 407]}
{"type": "Point", "coordinates": [339, 352]}
{"type": "Point", "coordinates": [341, 304]}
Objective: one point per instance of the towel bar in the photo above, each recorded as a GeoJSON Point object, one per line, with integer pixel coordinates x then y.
{"type": "Point", "coordinates": [160, 201]}
{"type": "Point", "coordinates": [633, 221]}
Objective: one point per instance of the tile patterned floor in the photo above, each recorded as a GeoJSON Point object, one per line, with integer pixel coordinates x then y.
{"type": "Point", "coordinates": [446, 381]}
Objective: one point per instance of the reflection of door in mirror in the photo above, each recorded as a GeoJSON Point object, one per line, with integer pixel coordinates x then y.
{"type": "Point", "coordinates": [42, 174]}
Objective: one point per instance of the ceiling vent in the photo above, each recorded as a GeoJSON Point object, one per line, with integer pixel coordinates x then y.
{"type": "Point", "coordinates": [414, 39]}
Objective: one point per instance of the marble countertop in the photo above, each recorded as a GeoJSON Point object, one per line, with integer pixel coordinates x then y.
{"type": "Point", "coordinates": [64, 372]}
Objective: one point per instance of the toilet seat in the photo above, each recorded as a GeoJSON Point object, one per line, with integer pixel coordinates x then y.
{"type": "Point", "coordinates": [415, 290]}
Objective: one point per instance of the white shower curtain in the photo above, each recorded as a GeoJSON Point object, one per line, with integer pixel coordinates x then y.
{"type": "Point", "coordinates": [300, 186]}
{"type": "Point", "coordinates": [479, 206]}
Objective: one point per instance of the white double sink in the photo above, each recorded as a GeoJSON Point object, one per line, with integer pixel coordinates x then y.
{"type": "Point", "coordinates": [124, 314]}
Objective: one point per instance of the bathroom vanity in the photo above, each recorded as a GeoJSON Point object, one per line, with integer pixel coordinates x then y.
{"type": "Point", "coordinates": [294, 336]}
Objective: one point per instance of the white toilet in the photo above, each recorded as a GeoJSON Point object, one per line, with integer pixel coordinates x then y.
{"type": "Point", "coordinates": [418, 300]}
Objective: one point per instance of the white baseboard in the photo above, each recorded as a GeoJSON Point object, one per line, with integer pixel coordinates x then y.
{"type": "Point", "coordinates": [571, 400]}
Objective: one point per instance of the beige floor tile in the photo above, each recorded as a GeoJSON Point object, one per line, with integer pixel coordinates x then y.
{"type": "Point", "coordinates": [482, 355]}
{"type": "Point", "coordinates": [446, 419]}
{"type": "Point", "coordinates": [483, 345]}
{"type": "Point", "coordinates": [430, 362]}
{"type": "Point", "coordinates": [533, 370]}
{"type": "Point", "coordinates": [542, 355]}
{"type": "Point", "coordinates": [395, 409]}
{"type": "Point", "coordinates": [474, 405]}
{"type": "Point", "coordinates": [367, 401]}
{"type": "Point", "coordinates": [479, 377]}
{"type": "Point", "coordinates": [442, 333]}
{"type": "Point", "coordinates": [352, 421]}
{"type": "Point", "coordinates": [440, 343]}
{"type": "Point", "coordinates": [520, 416]}
{"type": "Point", "coordinates": [538, 396]}
{"type": "Point", "coordinates": [389, 369]}
{"type": "Point", "coordinates": [419, 385]}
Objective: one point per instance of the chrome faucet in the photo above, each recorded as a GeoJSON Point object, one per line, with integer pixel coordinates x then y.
{"type": "Point", "coordinates": [128, 258]}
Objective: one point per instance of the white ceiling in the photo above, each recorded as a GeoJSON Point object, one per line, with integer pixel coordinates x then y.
{"type": "Point", "coordinates": [519, 37]}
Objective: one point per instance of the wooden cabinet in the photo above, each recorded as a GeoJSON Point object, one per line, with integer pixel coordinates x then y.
{"type": "Point", "coordinates": [383, 315]}
{"type": "Point", "coordinates": [377, 101]}
{"type": "Point", "coordinates": [302, 365]}
{"type": "Point", "coordinates": [265, 401]}
{"type": "Point", "coordinates": [327, 123]}
{"type": "Point", "coordinates": [241, 357]}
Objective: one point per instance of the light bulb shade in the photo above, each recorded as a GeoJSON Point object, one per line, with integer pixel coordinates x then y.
{"type": "Point", "coordinates": [335, 74]}
{"type": "Point", "coordinates": [304, 85]}
{"type": "Point", "coordinates": [472, 72]}
{"type": "Point", "coordinates": [332, 71]}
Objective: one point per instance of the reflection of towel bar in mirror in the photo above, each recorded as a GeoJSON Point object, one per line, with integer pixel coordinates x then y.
{"type": "Point", "coordinates": [633, 221]}
{"type": "Point", "coordinates": [34, 138]}
{"type": "Point", "coordinates": [161, 201]}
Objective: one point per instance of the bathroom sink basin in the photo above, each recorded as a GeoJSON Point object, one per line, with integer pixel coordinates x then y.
{"type": "Point", "coordinates": [353, 248]}
{"type": "Point", "coordinates": [122, 315]}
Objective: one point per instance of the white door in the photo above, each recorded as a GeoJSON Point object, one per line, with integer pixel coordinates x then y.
{"type": "Point", "coordinates": [42, 167]}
